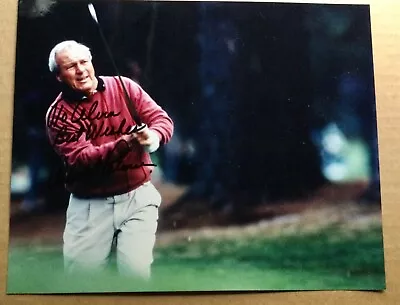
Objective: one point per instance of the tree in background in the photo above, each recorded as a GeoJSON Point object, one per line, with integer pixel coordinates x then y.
{"type": "Point", "coordinates": [245, 84]}
{"type": "Point", "coordinates": [342, 71]}
{"type": "Point", "coordinates": [253, 138]}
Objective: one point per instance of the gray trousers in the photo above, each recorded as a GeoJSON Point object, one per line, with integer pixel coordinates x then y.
{"type": "Point", "coordinates": [92, 223]}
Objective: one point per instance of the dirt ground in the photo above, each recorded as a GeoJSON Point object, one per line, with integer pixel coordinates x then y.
{"type": "Point", "coordinates": [330, 205]}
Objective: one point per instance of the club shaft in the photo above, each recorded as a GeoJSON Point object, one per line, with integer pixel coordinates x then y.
{"type": "Point", "coordinates": [130, 104]}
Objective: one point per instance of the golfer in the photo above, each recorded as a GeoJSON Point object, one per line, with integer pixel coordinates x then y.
{"type": "Point", "coordinates": [107, 162]}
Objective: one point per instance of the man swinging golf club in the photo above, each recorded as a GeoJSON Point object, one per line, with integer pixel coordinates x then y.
{"type": "Point", "coordinates": [108, 166]}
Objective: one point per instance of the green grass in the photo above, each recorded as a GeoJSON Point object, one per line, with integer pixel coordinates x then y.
{"type": "Point", "coordinates": [330, 259]}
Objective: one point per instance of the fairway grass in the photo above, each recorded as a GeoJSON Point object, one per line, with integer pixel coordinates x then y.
{"type": "Point", "coordinates": [331, 259]}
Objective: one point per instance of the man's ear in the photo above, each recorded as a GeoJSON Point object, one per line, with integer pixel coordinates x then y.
{"type": "Point", "coordinates": [58, 77]}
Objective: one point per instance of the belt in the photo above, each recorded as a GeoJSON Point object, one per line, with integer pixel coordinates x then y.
{"type": "Point", "coordinates": [115, 197]}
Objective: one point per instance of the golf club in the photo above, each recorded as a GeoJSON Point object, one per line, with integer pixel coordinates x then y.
{"type": "Point", "coordinates": [129, 102]}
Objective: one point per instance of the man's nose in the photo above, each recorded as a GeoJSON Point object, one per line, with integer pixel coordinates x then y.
{"type": "Point", "coordinates": [79, 68]}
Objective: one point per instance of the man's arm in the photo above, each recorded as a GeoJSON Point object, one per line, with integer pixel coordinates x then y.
{"type": "Point", "coordinates": [69, 141]}
{"type": "Point", "coordinates": [156, 118]}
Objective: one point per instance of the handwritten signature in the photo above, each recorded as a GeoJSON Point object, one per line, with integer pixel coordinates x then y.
{"type": "Point", "coordinates": [103, 167]}
{"type": "Point", "coordinates": [92, 114]}
{"type": "Point", "coordinates": [95, 128]}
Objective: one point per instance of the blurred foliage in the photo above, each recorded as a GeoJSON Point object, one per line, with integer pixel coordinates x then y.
{"type": "Point", "coordinates": [246, 89]}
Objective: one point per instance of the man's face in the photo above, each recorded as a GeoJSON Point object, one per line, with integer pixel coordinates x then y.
{"type": "Point", "coordinates": [76, 70]}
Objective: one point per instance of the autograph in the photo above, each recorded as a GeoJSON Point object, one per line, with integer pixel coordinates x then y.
{"type": "Point", "coordinates": [92, 114]}
{"type": "Point", "coordinates": [103, 167]}
{"type": "Point", "coordinates": [96, 127]}
{"type": "Point", "coordinates": [94, 130]}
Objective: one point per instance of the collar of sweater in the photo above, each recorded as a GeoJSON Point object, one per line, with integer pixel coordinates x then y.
{"type": "Point", "coordinates": [72, 95]}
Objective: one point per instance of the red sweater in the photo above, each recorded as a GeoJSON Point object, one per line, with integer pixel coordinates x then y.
{"type": "Point", "coordinates": [86, 131]}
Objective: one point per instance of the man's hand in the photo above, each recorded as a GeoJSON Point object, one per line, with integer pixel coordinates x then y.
{"type": "Point", "coordinates": [145, 137]}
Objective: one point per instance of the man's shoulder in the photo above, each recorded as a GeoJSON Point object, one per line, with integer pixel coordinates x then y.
{"type": "Point", "coordinates": [56, 105]}
{"type": "Point", "coordinates": [114, 80]}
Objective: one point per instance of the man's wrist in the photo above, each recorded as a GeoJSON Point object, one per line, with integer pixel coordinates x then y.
{"type": "Point", "coordinates": [155, 142]}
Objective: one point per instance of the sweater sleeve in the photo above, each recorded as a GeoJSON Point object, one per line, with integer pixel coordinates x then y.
{"type": "Point", "coordinates": [69, 140]}
{"type": "Point", "coordinates": [151, 113]}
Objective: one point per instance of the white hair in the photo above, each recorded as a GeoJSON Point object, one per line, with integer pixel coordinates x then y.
{"type": "Point", "coordinates": [53, 66]}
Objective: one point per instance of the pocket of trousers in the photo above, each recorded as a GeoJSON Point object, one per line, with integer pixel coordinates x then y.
{"type": "Point", "coordinates": [147, 194]}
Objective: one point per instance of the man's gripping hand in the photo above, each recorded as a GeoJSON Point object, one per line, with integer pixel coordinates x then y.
{"type": "Point", "coordinates": [145, 137]}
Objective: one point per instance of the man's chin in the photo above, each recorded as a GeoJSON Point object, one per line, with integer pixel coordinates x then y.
{"type": "Point", "coordinates": [86, 89]}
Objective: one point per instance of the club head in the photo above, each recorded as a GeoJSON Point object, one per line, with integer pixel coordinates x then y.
{"type": "Point", "coordinates": [92, 12]}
